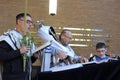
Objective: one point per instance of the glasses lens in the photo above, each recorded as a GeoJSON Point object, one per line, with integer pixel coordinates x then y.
{"type": "Point", "coordinates": [101, 51]}
{"type": "Point", "coordinates": [29, 22]}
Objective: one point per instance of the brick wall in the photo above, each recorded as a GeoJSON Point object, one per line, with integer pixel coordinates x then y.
{"type": "Point", "coordinates": [100, 14]}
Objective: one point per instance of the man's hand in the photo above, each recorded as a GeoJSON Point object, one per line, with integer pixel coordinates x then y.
{"type": "Point", "coordinates": [83, 60]}
{"type": "Point", "coordinates": [24, 49]}
{"type": "Point", "coordinates": [61, 54]}
{"type": "Point", "coordinates": [112, 56]}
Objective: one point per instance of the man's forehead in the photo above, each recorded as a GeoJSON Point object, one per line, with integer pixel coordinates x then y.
{"type": "Point", "coordinates": [67, 33]}
{"type": "Point", "coordinates": [101, 48]}
{"type": "Point", "coordinates": [27, 17]}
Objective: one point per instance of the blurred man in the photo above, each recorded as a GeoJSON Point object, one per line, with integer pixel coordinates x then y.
{"type": "Point", "coordinates": [62, 54]}
{"type": "Point", "coordinates": [65, 38]}
{"type": "Point", "coordinates": [12, 50]}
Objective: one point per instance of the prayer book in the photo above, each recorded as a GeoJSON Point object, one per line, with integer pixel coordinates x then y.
{"type": "Point", "coordinates": [66, 67]}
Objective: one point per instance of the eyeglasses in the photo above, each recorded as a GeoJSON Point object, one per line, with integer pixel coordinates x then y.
{"type": "Point", "coordinates": [101, 51]}
{"type": "Point", "coordinates": [27, 21]}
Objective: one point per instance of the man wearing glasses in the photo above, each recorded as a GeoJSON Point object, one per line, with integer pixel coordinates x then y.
{"type": "Point", "coordinates": [12, 50]}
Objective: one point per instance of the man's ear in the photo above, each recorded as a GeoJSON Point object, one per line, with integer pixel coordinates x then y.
{"type": "Point", "coordinates": [61, 37]}
{"type": "Point", "coordinates": [19, 22]}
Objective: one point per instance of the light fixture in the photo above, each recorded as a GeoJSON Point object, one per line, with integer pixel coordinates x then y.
{"type": "Point", "coordinates": [52, 7]}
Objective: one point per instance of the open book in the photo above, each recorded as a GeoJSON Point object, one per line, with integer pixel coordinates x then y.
{"type": "Point", "coordinates": [66, 67]}
{"type": "Point", "coordinates": [95, 62]}
{"type": "Point", "coordinates": [73, 66]}
{"type": "Point", "coordinates": [42, 46]}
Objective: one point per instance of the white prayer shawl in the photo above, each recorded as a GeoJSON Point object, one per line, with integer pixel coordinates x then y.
{"type": "Point", "coordinates": [14, 39]}
{"type": "Point", "coordinates": [43, 33]}
{"type": "Point", "coordinates": [69, 51]}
